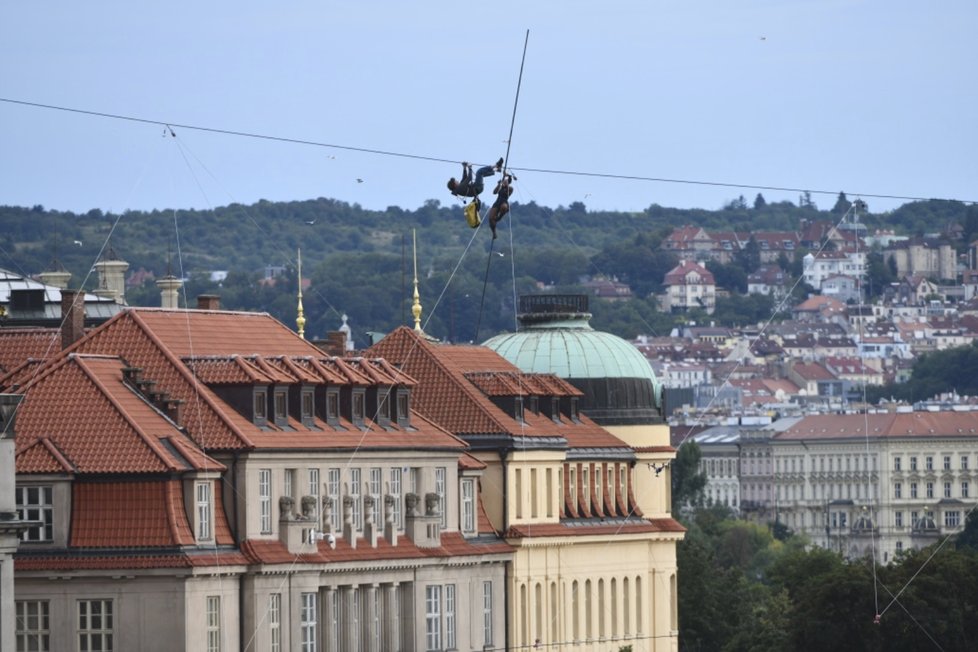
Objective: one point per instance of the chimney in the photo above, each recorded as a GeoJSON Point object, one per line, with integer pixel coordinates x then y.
{"type": "Point", "coordinates": [112, 277]}
{"type": "Point", "coordinates": [72, 317]}
{"type": "Point", "coordinates": [169, 287]}
{"type": "Point", "coordinates": [208, 302]}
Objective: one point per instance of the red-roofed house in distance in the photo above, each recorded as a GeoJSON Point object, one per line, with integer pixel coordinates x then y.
{"type": "Point", "coordinates": [689, 286]}
{"type": "Point", "coordinates": [209, 476]}
{"type": "Point", "coordinates": [586, 510]}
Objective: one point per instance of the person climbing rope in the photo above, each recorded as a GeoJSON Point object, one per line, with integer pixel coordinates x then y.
{"type": "Point", "coordinates": [469, 187]}
{"type": "Point", "coordinates": [500, 207]}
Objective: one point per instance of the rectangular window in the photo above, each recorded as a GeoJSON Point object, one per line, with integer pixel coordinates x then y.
{"type": "Point", "coordinates": [36, 504]}
{"type": "Point", "coordinates": [913, 463]}
{"type": "Point", "coordinates": [33, 625]}
{"type": "Point", "coordinates": [261, 400]}
{"type": "Point", "coordinates": [334, 622]}
{"type": "Point", "coordinates": [355, 622]}
{"type": "Point", "coordinates": [518, 409]}
{"type": "Point", "coordinates": [281, 407]}
{"type": "Point", "coordinates": [306, 405]}
{"type": "Point", "coordinates": [275, 622]}
{"type": "Point", "coordinates": [952, 519]}
{"type": "Point", "coordinates": [913, 489]}
{"type": "Point", "coordinates": [333, 489]}
{"type": "Point", "coordinates": [440, 490]}
{"type": "Point", "coordinates": [204, 511]}
{"type": "Point", "coordinates": [947, 489]}
{"type": "Point", "coordinates": [265, 500]}
{"type": "Point", "coordinates": [930, 489]}
{"type": "Point", "coordinates": [450, 616]}
{"type": "Point", "coordinates": [290, 483]}
{"type": "Point", "coordinates": [929, 463]}
{"type": "Point", "coordinates": [384, 410]}
{"type": "Point", "coordinates": [355, 494]}
{"type": "Point", "coordinates": [395, 489]}
{"type": "Point", "coordinates": [413, 480]}
{"type": "Point", "coordinates": [964, 489]}
{"type": "Point", "coordinates": [403, 410]}
{"type": "Point", "coordinates": [486, 614]}
{"type": "Point", "coordinates": [307, 622]}
{"type": "Point", "coordinates": [899, 547]}
{"type": "Point", "coordinates": [964, 462]}
{"type": "Point", "coordinates": [914, 517]}
{"type": "Point", "coordinates": [898, 490]}
{"type": "Point", "coordinates": [432, 608]}
{"type": "Point", "coordinates": [213, 623]}
{"type": "Point", "coordinates": [896, 464]}
{"type": "Point", "coordinates": [358, 407]}
{"type": "Point", "coordinates": [375, 482]}
{"type": "Point", "coordinates": [898, 519]}
{"type": "Point", "coordinates": [468, 506]}
{"type": "Point", "coordinates": [95, 626]}
{"type": "Point", "coordinates": [375, 630]}
{"type": "Point", "coordinates": [332, 406]}
{"type": "Point", "coordinates": [314, 482]}
{"type": "Point", "coordinates": [947, 462]}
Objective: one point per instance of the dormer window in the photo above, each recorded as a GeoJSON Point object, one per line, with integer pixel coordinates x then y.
{"type": "Point", "coordinates": [203, 512]}
{"type": "Point", "coordinates": [518, 409]}
{"type": "Point", "coordinates": [260, 401]}
{"type": "Point", "coordinates": [574, 415]}
{"type": "Point", "coordinates": [403, 408]}
{"type": "Point", "coordinates": [306, 406]}
{"type": "Point", "coordinates": [534, 405]}
{"type": "Point", "coordinates": [555, 409]}
{"type": "Point", "coordinates": [281, 405]}
{"type": "Point", "coordinates": [333, 406]}
{"type": "Point", "coordinates": [37, 504]}
{"type": "Point", "coordinates": [358, 405]}
{"type": "Point", "coordinates": [384, 406]}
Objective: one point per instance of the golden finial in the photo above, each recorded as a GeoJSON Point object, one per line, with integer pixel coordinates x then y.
{"type": "Point", "coordinates": [300, 319]}
{"type": "Point", "coordinates": [416, 305]}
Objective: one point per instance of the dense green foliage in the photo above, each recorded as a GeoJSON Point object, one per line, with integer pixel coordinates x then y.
{"type": "Point", "coordinates": [950, 370]}
{"type": "Point", "coordinates": [359, 260]}
{"type": "Point", "coordinates": [742, 589]}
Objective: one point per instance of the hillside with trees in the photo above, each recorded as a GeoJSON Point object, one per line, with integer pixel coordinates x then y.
{"type": "Point", "coordinates": [359, 261]}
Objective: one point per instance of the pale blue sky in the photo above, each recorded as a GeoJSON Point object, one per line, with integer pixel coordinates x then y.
{"type": "Point", "coordinates": [873, 96]}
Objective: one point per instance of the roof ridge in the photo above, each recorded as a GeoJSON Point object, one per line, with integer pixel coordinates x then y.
{"type": "Point", "coordinates": [189, 376]}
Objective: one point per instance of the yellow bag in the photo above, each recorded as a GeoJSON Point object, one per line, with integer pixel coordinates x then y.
{"type": "Point", "coordinates": [472, 214]}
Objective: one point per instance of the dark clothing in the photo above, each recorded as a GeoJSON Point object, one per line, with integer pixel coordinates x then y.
{"type": "Point", "coordinates": [469, 187]}
{"type": "Point", "coordinates": [500, 207]}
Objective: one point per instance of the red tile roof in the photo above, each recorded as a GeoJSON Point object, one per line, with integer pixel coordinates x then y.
{"type": "Point", "coordinates": [19, 344]}
{"type": "Point", "coordinates": [25, 560]}
{"type": "Point", "coordinates": [101, 425]}
{"type": "Point", "coordinates": [595, 527]}
{"type": "Point", "coordinates": [447, 394]}
{"type": "Point", "coordinates": [890, 425]}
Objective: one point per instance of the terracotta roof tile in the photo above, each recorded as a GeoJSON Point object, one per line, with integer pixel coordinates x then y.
{"type": "Point", "coordinates": [19, 344]}
{"type": "Point", "coordinates": [890, 425]}
{"type": "Point", "coordinates": [129, 514]}
{"type": "Point", "coordinates": [30, 561]}
{"type": "Point", "coordinates": [447, 394]}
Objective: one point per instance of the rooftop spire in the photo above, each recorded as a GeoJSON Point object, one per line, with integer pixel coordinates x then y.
{"type": "Point", "coordinates": [416, 304]}
{"type": "Point", "coordinates": [300, 319]}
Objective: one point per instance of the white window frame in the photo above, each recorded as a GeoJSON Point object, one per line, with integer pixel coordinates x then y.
{"type": "Point", "coordinates": [432, 606]}
{"type": "Point", "coordinates": [376, 485]}
{"type": "Point", "coordinates": [275, 622]}
{"type": "Point", "coordinates": [487, 617]}
{"type": "Point", "coordinates": [265, 500]}
{"type": "Point", "coordinates": [333, 493]}
{"type": "Point", "coordinates": [33, 625]}
{"type": "Point", "coordinates": [440, 475]}
{"type": "Point", "coordinates": [307, 622]}
{"type": "Point", "coordinates": [204, 510]}
{"type": "Point", "coordinates": [97, 628]}
{"type": "Point", "coordinates": [395, 491]}
{"type": "Point", "coordinates": [450, 619]}
{"type": "Point", "coordinates": [36, 503]}
{"type": "Point", "coordinates": [355, 493]}
{"type": "Point", "coordinates": [213, 623]}
{"type": "Point", "coordinates": [467, 504]}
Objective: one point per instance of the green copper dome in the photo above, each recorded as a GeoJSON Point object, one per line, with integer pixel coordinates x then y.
{"type": "Point", "coordinates": [555, 337]}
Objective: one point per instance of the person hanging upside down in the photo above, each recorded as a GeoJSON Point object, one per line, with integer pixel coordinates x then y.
{"type": "Point", "coordinates": [469, 187]}
{"type": "Point", "coordinates": [500, 207]}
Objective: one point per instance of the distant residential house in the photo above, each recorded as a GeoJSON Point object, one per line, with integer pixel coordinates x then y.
{"type": "Point", "coordinates": [841, 287]}
{"type": "Point", "coordinates": [769, 280]}
{"type": "Point", "coordinates": [689, 285]}
{"type": "Point", "coordinates": [817, 268]}
{"type": "Point", "coordinates": [813, 379]}
{"type": "Point", "coordinates": [774, 244]}
{"type": "Point", "coordinates": [690, 243]}
{"type": "Point", "coordinates": [819, 308]}
{"type": "Point", "coordinates": [685, 374]}
{"type": "Point", "coordinates": [610, 289]}
{"type": "Point", "coordinates": [854, 371]}
{"type": "Point", "coordinates": [923, 256]}
{"type": "Point", "coordinates": [916, 289]}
